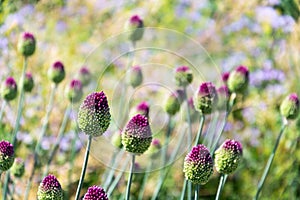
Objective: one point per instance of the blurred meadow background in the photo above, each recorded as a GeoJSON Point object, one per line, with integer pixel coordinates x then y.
{"type": "Point", "coordinates": [214, 36]}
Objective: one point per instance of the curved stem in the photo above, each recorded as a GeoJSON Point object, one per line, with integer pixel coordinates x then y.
{"type": "Point", "coordinates": [188, 118]}
{"type": "Point", "coordinates": [59, 138]}
{"type": "Point", "coordinates": [2, 109]}
{"type": "Point", "coordinates": [84, 165]}
{"type": "Point", "coordinates": [201, 124]}
{"type": "Point", "coordinates": [269, 163]}
{"type": "Point", "coordinates": [38, 144]}
{"type": "Point", "coordinates": [17, 124]}
{"type": "Point", "coordinates": [145, 179]}
{"type": "Point", "coordinates": [117, 179]}
{"type": "Point", "coordinates": [130, 178]}
{"type": "Point", "coordinates": [220, 187]}
{"type": "Point", "coordinates": [197, 192]}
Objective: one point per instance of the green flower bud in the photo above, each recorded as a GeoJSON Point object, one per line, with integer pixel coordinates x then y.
{"type": "Point", "coordinates": [84, 76]}
{"type": "Point", "coordinates": [228, 156]}
{"type": "Point", "coordinates": [238, 80]}
{"type": "Point", "coordinates": [18, 168]}
{"type": "Point", "coordinates": [136, 25]}
{"type": "Point", "coordinates": [56, 72]}
{"type": "Point", "coordinates": [172, 105]}
{"type": "Point", "coordinates": [9, 89]}
{"type": "Point", "coordinates": [206, 98]}
{"type": "Point", "coordinates": [28, 82]}
{"type": "Point", "coordinates": [289, 107]}
{"type": "Point", "coordinates": [74, 91]}
{"type": "Point", "coordinates": [50, 189]}
{"type": "Point", "coordinates": [26, 44]}
{"type": "Point", "coordinates": [136, 76]}
{"type": "Point", "coordinates": [116, 140]}
{"type": "Point", "coordinates": [183, 76]}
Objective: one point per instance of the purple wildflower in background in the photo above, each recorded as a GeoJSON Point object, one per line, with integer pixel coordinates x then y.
{"type": "Point", "coordinates": [95, 193]}
{"type": "Point", "coordinates": [50, 188]}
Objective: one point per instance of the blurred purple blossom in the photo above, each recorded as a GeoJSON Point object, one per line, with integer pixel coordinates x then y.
{"type": "Point", "coordinates": [25, 138]}
{"type": "Point", "coordinates": [61, 26]}
{"type": "Point", "coordinates": [233, 60]}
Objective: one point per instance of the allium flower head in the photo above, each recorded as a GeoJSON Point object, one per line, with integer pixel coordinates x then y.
{"type": "Point", "coordinates": [28, 82]}
{"type": "Point", "coordinates": [143, 108]}
{"type": "Point", "coordinates": [228, 156]}
{"type": "Point", "coordinates": [225, 76]}
{"type": "Point", "coordinates": [238, 80]}
{"type": "Point", "coordinates": [18, 168]}
{"type": "Point", "coordinates": [136, 76]}
{"type": "Point", "coordinates": [183, 76]}
{"type": "Point", "coordinates": [84, 76]}
{"type": "Point", "coordinates": [289, 107]}
{"type": "Point", "coordinates": [7, 155]}
{"type": "Point", "coordinates": [26, 44]}
{"type": "Point", "coordinates": [50, 189]}
{"type": "Point", "coordinates": [95, 193]}
{"type": "Point", "coordinates": [74, 91]}
{"type": "Point", "coordinates": [9, 89]}
{"type": "Point", "coordinates": [137, 135]}
{"type": "Point", "coordinates": [154, 148]}
{"type": "Point", "coordinates": [116, 140]}
{"type": "Point", "coordinates": [94, 115]}
{"type": "Point", "coordinates": [56, 72]}
{"type": "Point", "coordinates": [205, 98]}
{"type": "Point", "coordinates": [198, 165]}
{"type": "Point", "coordinates": [172, 104]}
{"type": "Point", "coordinates": [136, 25]}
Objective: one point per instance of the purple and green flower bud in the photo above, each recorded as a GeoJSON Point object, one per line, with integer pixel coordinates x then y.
{"type": "Point", "coordinates": [225, 77]}
{"type": "Point", "coordinates": [183, 76]}
{"type": "Point", "coordinates": [26, 44]}
{"type": "Point", "coordinates": [228, 156]}
{"type": "Point", "coordinates": [7, 155]}
{"type": "Point", "coordinates": [9, 89]}
{"type": "Point", "coordinates": [181, 95]}
{"type": "Point", "coordinates": [172, 104]}
{"type": "Point", "coordinates": [116, 140]}
{"type": "Point", "coordinates": [18, 168]}
{"type": "Point", "coordinates": [137, 135]}
{"type": "Point", "coordinates": [223, 97]}
{"type": "Point", "coordinates": [94, 115]}
{"type": "Point", "coordinates": [238, 80]}
{"type": "Point", "coordinates": [74, 91]}
{"type": "Point", "coordinates": [50, 188]}
{"type": "Point", "coordinates": [84, 76]}
{"type": "Point", "coordinates": [154, 148]}
{"type": "Point", "coordinates": [56, 72]}
{"type": "Point", "coordinates": [136, 25]}
{"type": "Point", "coordinates": [198, 165]}
{"type": "Point", "coordinates": [95, 193]}
{"type": "Point", "coordinates": [136, 76]}
{"type": "Point", "coordinates": [28, 82]}
{"type": "Point", "coordinates": [143, 109]}
{"type": "Point", "coordinates": [289, 107]}
{"type": "Point", "coordinates": [206, 98]}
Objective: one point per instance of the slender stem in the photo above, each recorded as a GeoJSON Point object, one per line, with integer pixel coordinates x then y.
{"type": "Point", "coordinates": [112, 170]}
{"type": "Point", "coordinates": [188, 118]}
{"type": "Point", "coordinates": [197, 192]}
{"type": "Point", "coordinates": [2, 109]}
{"type": "Point", "coordinates": [130, 178]}
{"type": "Point", "coordinates": [84, 165]}
{"type": "Point", "coordinates": [165, 149]}
{"type": "Point", "coordinates": [201, 124]}
{"type": "Point", "coordinates": [38, 144]}
{"type": "Point", "coordinates": [183, 189]}
{"type": "Point", "coordinates": [145, 179]}
{"type": "Point", "coordinates": [17, 124]}
{"type": "Point", "coordinates": [220, 187]}
{"type": "Point", "coordinates": [189, 187]}
{"type": "Point", "coordinates": [269, 163]}
{"type": "Point", "coordinates": [117, 179]}
{"type": "Point", "coordinates": [109, 169]}
{"type": "Point", "coordinates": [58, 139]}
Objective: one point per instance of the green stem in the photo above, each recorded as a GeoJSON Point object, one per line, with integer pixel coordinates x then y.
{"type": "Point", "coordinates": [2, 109]}
{"type": "Point", "coordinates": [17, 125]}
{"type": "Point", "coordinates": [84, 166]}
{"type": "Point", "coordinates": [220, 187]}
{"type": "Point", "coordinates": [38, 144]}
{"type": "Point", "coordinates": [201, 124]}
{"type": "Point", "coordinates": [189, 187]}
{"type": "Point", "coordinates": [112, 170]}
{"type": "Point", "coordinates": [183, 189]}
{"type": "Point", "coordinates": [165, 149]}
{"type": "Point", "coordinates": [197, 192]}
{"type": "Point", "coordinates": [59, 138]}
{"type": "Point", "coordinates": [269, 163]}
{"type": "Point", "coordinates": [117, 179]}
{"type": "Point", "coordinates": [188, 118]}
{"type": "Point", "coordinates": [145, 179]}
{"type": "Point", "coordinates": [130, 178]}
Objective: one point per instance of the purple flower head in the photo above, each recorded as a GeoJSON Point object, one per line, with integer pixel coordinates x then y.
{"type": "Point", "coordinates": [135, 25]}
{"type": "Point", "coordinates": [183, 76]}
{"type": "Point", "coordinates": [74, 91]}
{"type": "Point", "coordinates": [50, 188]}
{"type": "Point", "coordinates": [84, 70]}
{"type": "Point", "coordinates": [6, 148]}
{"type": "Point", "coordinates": [205, 98]}
{"type": "Point", "coordinates": [94, 115]}
{"type": "Point", "coordinates": [182, 69]}
{"type": "Point", "coordinates": [10, 82]}
{"type": "Point", "coordinates": [228, 156]}
{"type": "Point", "coordinates": [84, 76]}
{"type": "Point", "coordinates": [26, 44]}
{"type": "Point", "coordinates": [289, 107]}
{"type": "Point", "coordinates": [207, 89]}
{"type": "Point", "coordinates": [28, 36]}
{"type": "Point", "coordinates": [143, 108]}
{"type": "Point", "coordinates": [137, 135]}
{"type": "Point", "coordinates": [136, 20]}
{"type": "Point", "coordinates": [7, 155]}
{"type": "Point", "coordinates": [225, 76]}
{"type": "Point", "coordinates": [76, 84]}
{"type": "Point", "coordinates": [198, 165]}
{"type": "Point", "coordinates": [243, 70]}
{"type": "Point", "coordinates": [154, 148]}
{"type": "Point", "coordinates": [9, 89]}
{"type": "Point", "coordinates": [95, 193]}
{"type": "Point", "coordinates": [56, 72]}
{"type": "Point", "coordinates": [156, 143]}
{"type": "Point", "coordinates": [238, 80]}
